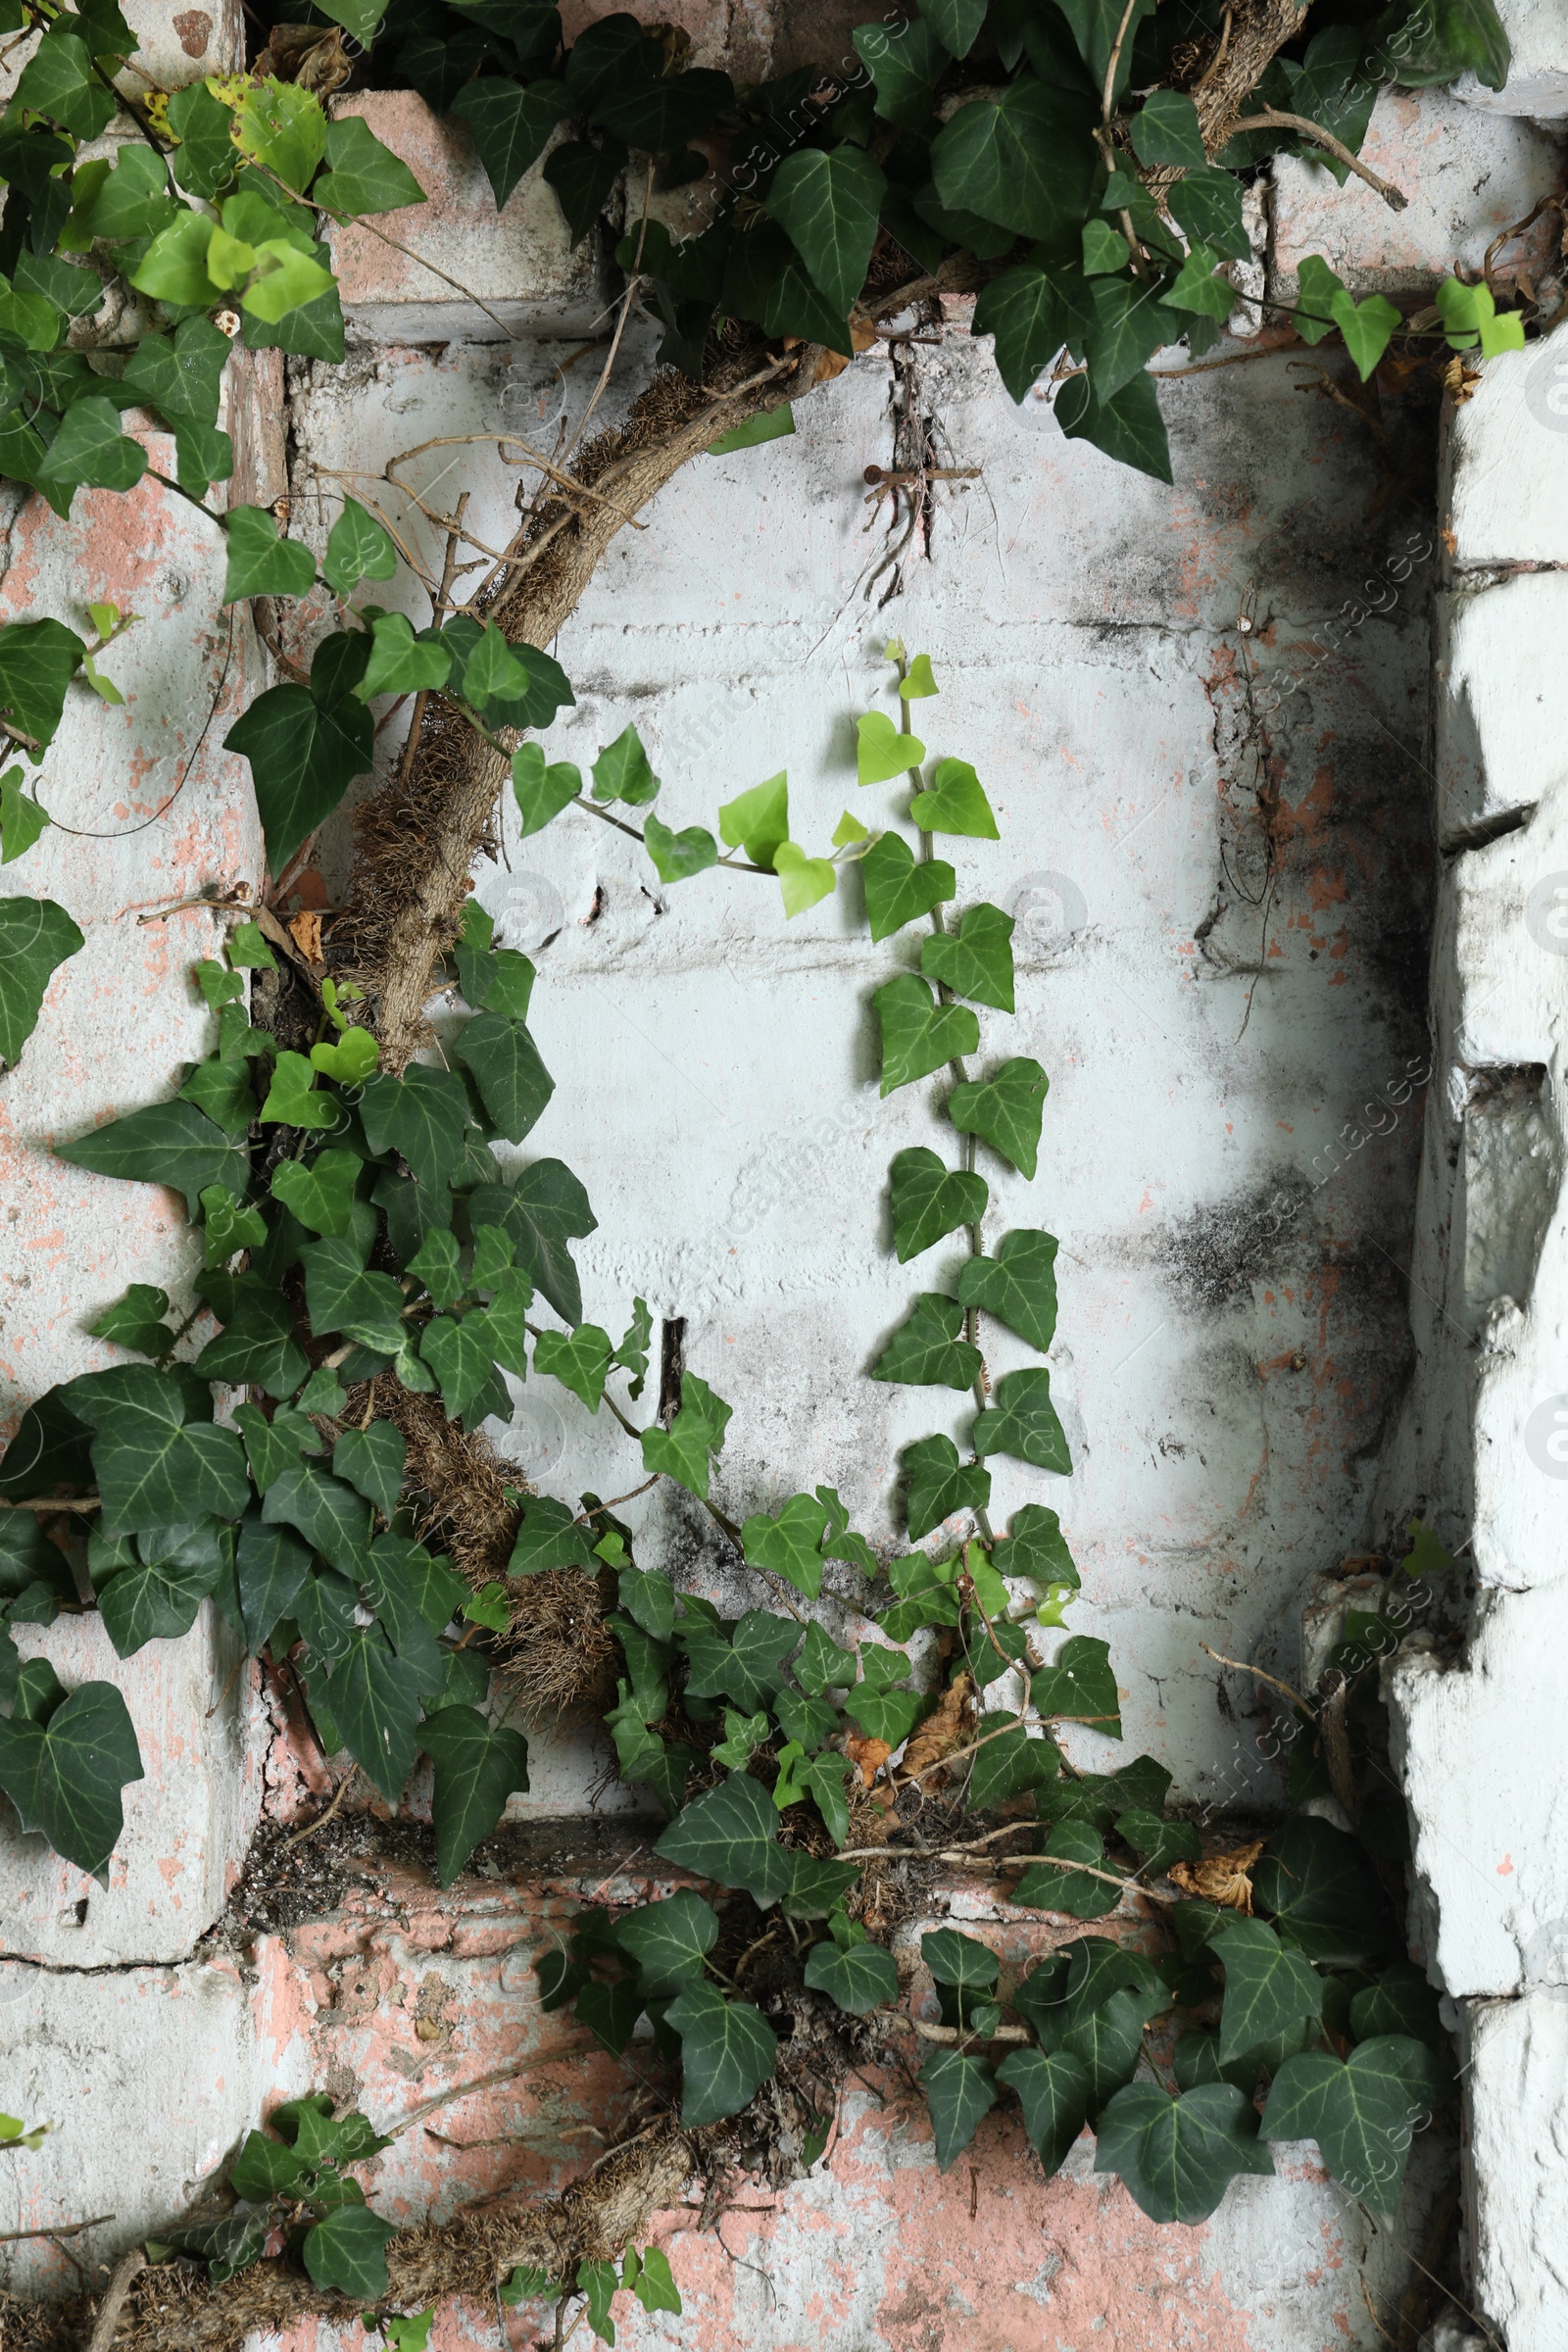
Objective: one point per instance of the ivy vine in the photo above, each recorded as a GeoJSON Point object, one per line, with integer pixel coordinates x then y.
{"type": "Point", "coordinates": [1081, 169]}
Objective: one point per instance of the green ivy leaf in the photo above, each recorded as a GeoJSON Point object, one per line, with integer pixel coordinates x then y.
{"type": "Point", "coordinates": [976, 961]}
{"type": "Point", "coordinates": [153, 1594]}
{"type": "Point", "coordinates": [803, 880]}
{"type": "Point", "coordinates": [904, 64]}
{"type": "Point", "coordinates": [363, 176]}
{"type": "Point", "coordinates": [1027, 161]}
{"type": "Point", "coordinates": [328, 1514]}
{"type": "Point", "coordinates": [827, 202]}
{"type": "Point", "coordinates": [306, 745]}
{"type": "Point", "coordinates": [677, 857]}
{"type": "Point", "coordinates": [940, 1486]}
{"type": "Point", "coordinates": [58, 81]}
{"type": "Point", "coordinates": [256, 1346]}
{"type": "Point", "coordinates": [882, 752]}
{"type": "Point", "coordinates": [788, 1544]}
{"type": "Point", "coordinates": [460, 1354]}
{"type": "Point", "coordinates": [1079, 1687]}
{"type": "Point", "coordinates": [284, 128]}
{"type": "Point", "coordinates": [372, 1461]}
{"type": "Point", "coordinates": [759, 820]}
{"type": "Point", "coordinates": [64, 1763]}
{"type": "Point", "coordinates": [1019, 1285]}
{"type": "Point", "coordinates": [265, 2169]}
{"type": "Point", "coordinates": [669, 1941]}
{"type": "Point", "coordinates": [401, 662]}
{"type": "Point", "coordinates": [919, 1033]}
{"type": "Point", "coordinates": [579, 1359]}
{"type": "Point", "coordinates": [375, 1697]}
{"type": "Point", "coordinates": [1053, 2091]}
{"type": "Point", "coordinates": [343, 1296]}
{"type": "Point", "coordinates": [1178, 2156]}
{"type": "Point", "coordinates": [730, 1834]}
{"type": "Point", "coordinates": [955, 803]}
{"type": "Point", "coordinates": [769, 424]}
{"type": "Point", "coordinates": [930, 1200]}
{"type": "Point", "coordinates": [1360, 2111]}
{"type": "Point", "coordinates": [1157, 1842]}
{"type": "Point", "coordinates": [357, 546]}
{"type": "Point", "coordinates": [898, 889]}
{"type": "Point", "coordinates": [38, 659]}
{"type": "Point", "coordinates": [1055, 1885]}
{"type": "Point", "coordinates": [727, 2051]}
{"type": "Point", "coordinates": [135, 1320]}
{"type": "Point", "coordinates": [1006, 1111]}
{"type": "Point", "coordinates": [21, 820]}
{"type": "Point", "coordinates": [1400, 2002]}
{"type": "Point", "coordinates": [960, 2093]}
{"type": "Point", "coordinates": [857, 1980]}
{"type": "Point", "coordinates": [1165, 130]}
{"type": "Point", "coordinates": [927, 1351]}
{"type": "Point", "coordinates": [622, 772]}
{"type": "Point", "coordinates": [273, 1447]}
{"type": "Point", "coordinates": [631, 1355]}
{"type": "Point", "coordinates": [1022, 1421]}
{"type": "Point", "coordinates": [511, 126]}
{"type": "Point", "coordinates": [514, 1084]}
{"type": "Point", "coordinates": [476, 1770]}
{"type": "Point", "coordinates": [260, 562]}
{"type": "Point", "coordinates": [542, 792]}
{"type": "Point", "coordinates": [1126, 424]}
{"type": "Point", "coordinates": [424, 1115]}
{"type": "Point", "coordinates": [272, 1566]}
{"type": "Point", "coordinates": [348, 2251]}
{"type": "Point", "coordinates": [1009, 1764]}
{"type": "Point", "coordinates": [1268, 1989]}
{"type": "Point", "coordinates": [156, 1468]}
{"type": "Point", "coordinates": [168, 1143]}
{"type": "Point", "coordinates": [698, 1430]}
{"type": "Point", "coordinates": [1323, 1892]}
{"type": "Point", "coordinates": [319, 1192]}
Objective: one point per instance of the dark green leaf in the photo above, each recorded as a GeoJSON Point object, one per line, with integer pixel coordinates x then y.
{"type": "Point", "coordinates": [58, 81]}
{"type": "Point", "coordinates": [153, 1591]}
{"type": "Point", "coordinates": [579, 1359]}
{"type": "Point", "coordinates": [976, 961]}
{"type": "Point", "coordinates": [1009, 1764]}
{"type": "Point", "coordinates": [1080, 1686]}
{"type": "Point", "coordinates": [927, 1351]}
{"type": "Point", "coordinates": [320, 1192]}
{"type": "Point", "coordinates": [730, 1834]}
{"type": "Point", "coordinates": [1019, 1285]}
{"type": "Point", "coordinates": [668, 1941]}
{"type": "Point", "coordinates": [548, 1536]}
{"type": "Point", "coordinates": [904, 63]}
{"type": "Point", "coordinates": [1159, 1842]}
{"type": "Point", "coordinates": [134, 1321]}
{"type": "Point", "coordinates": [919, 1034]}
{"type": "Point", "coordinates": [727, 2050]}
{"type": "Point", "coordinates": [64, 1772]}
{"type": "Point", "coordinates": [154, 1470]}
{"type": "Point", "coordinates": [363, 176]}
{"type": "Point", "coordinates": [476, 1770]}
{"type": "Point", "coordinates": [513, 1080]}
{"type": "Point", "coordinates": [256, 1346]}
{"type": "Point", "coordinates": [1359, 2111]}
{"type": "Point", "coordinates": [271, 1567]}
{"type": "Point", "coordinates": [348, 2251]}
{"type": "Point", "coordinates": [545, 1209]}
{"type": "Point", "coordinates": [510, 126]}
{"type": "Point", "coordinates": [460, 1354]}
{"type": "Point", "coordinates": [1178, 2156]}
{"type": "Point", "coordinates": [328, 1514]}
{"type": "Point", "coordinates": [678, 855]}
{"type": "Point", "coordinates": [38, 659]}
{"type": "Point", "coordinates": [1327, 1898]}
{"type": "Point", "coordinates": [1127, 426]}
{"type": "Point", "coordinates": [1165, 130]}
{"type": "Point", "coordinates": [959, 1960]}
{"type": "Point", "coordinates": [1400, 2002]}
{"type": "Point", "coordinates": [1098, 26]}
{"type": "Point", "coordinates": [1006, 1111]}
{"type": "Point", "coordinates": [940, 1486]}
{"type": "Point", "coordinates": [424, 1115]}
{"type": "Point", "coordinates": [582, 176]}
{"type": "Point", "coordinates": [1057, 1886]}
{"type": "Point", "coordinates": [1022, 1421]}
{"type": "Point", "coordinates": [372, 1461]}
{"type": "Point", "coordinates": [265, 2169]}
{"type": "Point", "coordinates": [960, 2091]}
{"type": "Point", "coordinates": [206, 159]}
{"type": "Point", "coordinates": [1027, 161]}
{"type": "Point", "coordinates": [306, 745]}
{"type": "Point", "coordinates": [1268, 1989]}
{"type": "Point", "coordinates": [343, 1297]}
{"type": "Point", "coordinates": [168, 1143]}
{"type": "Point", "coordinates": [857, 1980]}
{"type": "Point", "coordinates": [1054, 2093]}
{"type": "Point", "coordinates": [541, 792]}
{"type": "Point", "coordinates": [930, 1200]}
{"type": "Point", "coordinates": [260, 562]}
{"type": "Point", "coordinates": [827, 202]}
{"type": "Point", "coordinates": [375, 1696]}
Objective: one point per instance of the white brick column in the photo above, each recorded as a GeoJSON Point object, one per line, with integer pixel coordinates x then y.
{"type": "Point", "coordinates": [1483, 1741]}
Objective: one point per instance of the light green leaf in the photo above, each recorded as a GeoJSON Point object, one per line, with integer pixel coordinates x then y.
{"type": "Point", "coordinates": [919, 1034]}
{"type": "Point", "coordinates": [917, 681]}
{"type": "Point", "coordinates": [21, 820]}
{"type": "Point", "coordinates": [882, 752]}
{"type": "Point", "coordinates": [401, 662]}
{"type": "Point", "coordinates": [954, 803]}
{"type": "Point", "coordinates": [768, 425]}
{"type": "Point", "coordinates": [1019, 1285]}
{"type": "Point", "coordinates": [898, 889]}
{"type": "Point", "coordinates": [36, 937]}
{"type": "Point", "coordinates": [788, 1544]}
{"type": "Point", "coordinates": [542, 792]}
{"type": "Point", "coordinates": [622, 772]}
{"type": "Point", "coordinates": [1006, 1111]}
{"type": "Point", "coordinates": [678, 855]}
{"type": "Point", "coordinates": [357, 547]}
{"type": "Point", "coordinates": [347, 1060]}
{"type": "Point", "coordinates": [173, 268]}
{"type": "Point", "coordinates": [759, 820]}
{"type": "Point", "coordinates": [1368, 327]}
{"type": "Point", "coordinates": [803, 880]}
{"type": "Point", "coordinates": [292, 1099]}
{"type": "Point", "coordinates": [284, 128]}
